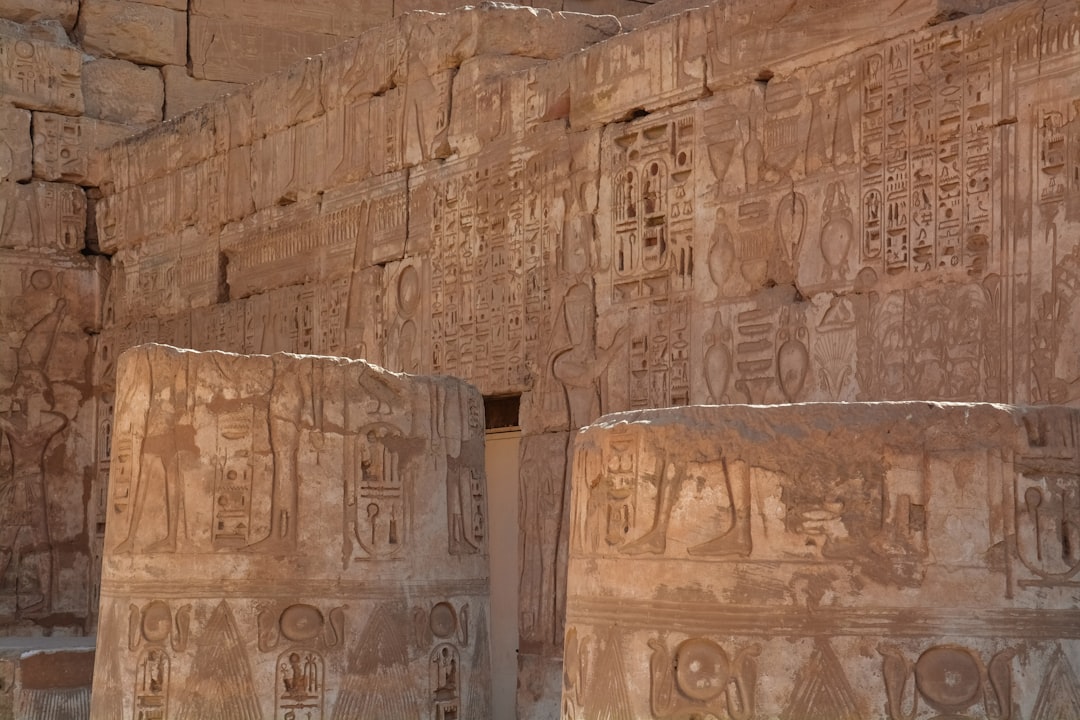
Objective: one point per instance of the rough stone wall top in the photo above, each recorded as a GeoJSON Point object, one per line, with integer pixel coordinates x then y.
{"type": "Point", "coordinates": [292, 534]}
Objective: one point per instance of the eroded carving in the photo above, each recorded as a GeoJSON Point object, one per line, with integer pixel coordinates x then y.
{"type": "Point", "coordinates": [950, 679]}
{"type": "Point", "coordinates": [700, 677]}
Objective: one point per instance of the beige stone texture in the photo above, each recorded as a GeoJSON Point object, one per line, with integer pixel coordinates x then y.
{"type": "Point", "coordinates": [343, 18]}
{"type": "Point", "coordinates": [359, 591]}
{"type": "Point", "coordinates": [45, 679]}
{"type": "Point", "coordinates": [123, 92]}
{"type": "Point", "coordinates": [184, 93]}
{"type": "Point", "coordinates": [39, 69]}
{"type": "Point", "coordinates": [171, 4]}
{"type": "Point", "coordinates": [66, 148]}
{"type": "Point", "coordinates": [145, 34]}
{"type": "Point", "coordinates": [23, 11]}
{"type": "Point", "coordinates": [658, 66]}
{"type": "Point", "coordinates": [825, 560]}
{"type": "Point", "coordinates": [48, 302]}
{"type": "Point", "coordinates": [16, 145]}
{"type": "Point", "coordinates": [42, 216]}
{"type": "Point", "coordinates": [240, 52]}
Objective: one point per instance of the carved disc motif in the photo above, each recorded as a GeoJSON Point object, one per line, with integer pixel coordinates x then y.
{"type": "Point", "coordinates": [701, 669]}
{"type": "Point", "coordinates": [301, 622]}
{"type": "Point", "coordinates": [408, 290]}
{"type": "Point", "coordinates": [948, 677]}
{"type": "Point", "coordinates": [443, 620]}
{"type": "Point", "coordinates": [156, 621]}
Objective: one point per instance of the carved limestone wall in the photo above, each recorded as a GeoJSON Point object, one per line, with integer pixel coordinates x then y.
{"type": "Point", "coordinates": [867, 201]}
{"type": "Point", "coordinates": [292, 537]}
{"type": "Point", "coordinates": [884, 560]}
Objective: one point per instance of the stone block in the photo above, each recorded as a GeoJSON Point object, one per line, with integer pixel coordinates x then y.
{"type": "Point", "coordinates": [184, 93]}
{"type": "Point", "coordinates": [145, 34]}
{"type": "Point", "coordinates": [23, 11]}
{"type": "Point", "coordinates": [287, 97]}
{"type": "Point", "coordinates": [241, 52]}
{"type": "Point", "coordinates": [535, 32]}
{"type": "Point", "coordinates": [747, 39]}
{"type": "Point", "coordinates": [825, 560]}
{"type": "Point", "coordinates": [39, 69]}
{"type": "Point", "coordinates": [343, 18]}
{"type": "Point", "coordinates": [45, 678]}
{"type": "Point", "coordinates": [16, 145]}
{"type": "Point", "coordinates": [42, 216]}
{"type": "Point", "coordinates": [123, 92]}
{"type": "Point", "coordinates": [658, 66]}
{"type": "Point", "coordinates": [48, 301]}
{"type": "Point", "coordinates": [333, 526]}
{"type": "Point", "coordinates": [67, 149]}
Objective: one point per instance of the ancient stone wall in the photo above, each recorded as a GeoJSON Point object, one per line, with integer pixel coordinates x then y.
{"type": "Point", "coordinates": [736, 203]}
{"type": "Point", "coordinates": [74, 78]}
{"type": "Point", "coordinates": [292, 537]}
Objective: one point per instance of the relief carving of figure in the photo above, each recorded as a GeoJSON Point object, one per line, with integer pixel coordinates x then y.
{"type": "Point", "coordinates": [165, 440]}
{"type": "Point", "coordinates": [28, 424]}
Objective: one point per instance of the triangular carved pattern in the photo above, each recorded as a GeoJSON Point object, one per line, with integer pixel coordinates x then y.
{"type": "Point", "coordinates": [220, 684]}
{"type": "Point", "coordinates": [1059, 696]}
{"type": "Point", "coordinates": [378, 683]}
{"type": "Point", "coordinates": [822, 691]}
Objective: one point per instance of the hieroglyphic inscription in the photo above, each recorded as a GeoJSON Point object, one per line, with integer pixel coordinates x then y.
{"type": "Point", "coordinates": [927, 160]}
{"type": "Point", "coordinates": [40, 75]}
{"type": "Point", "coordinates": [485, 218]}
{"type": "Point", "coordinates": [650, 253]}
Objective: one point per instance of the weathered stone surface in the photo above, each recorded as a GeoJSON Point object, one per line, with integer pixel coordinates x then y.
{"type": "Point", "coordinates": [63, 11]}
{"type": "Point", "coordinates": [184, 93]}
{"type": "Point", "coordinates": [895, 545]}
{"type": "Point", "coordinates": [16, 145]}
{"type": "Point", "coordinates": [47, 423]}
{"type": "Point", "coordinates": [45, 678]}
{"type": "Point", "coordinates": [238, 584]}
{"type": "Point", "coordinates": [239, 52]}
{"type": "Point", "coordinates": [68, 149]}
{"type": "Point", "coordinates": [344, 18]}
{"type": "Point", "coordinates": [123, 92]}
{"type": "Point", "coordinates": [658, 66]}
{"type": "Point", "coordinates": [42, 215]}
{"type": "Point", "coordinates": [39, 69]}
{"type": "Point", "coordinates": [135, 31]}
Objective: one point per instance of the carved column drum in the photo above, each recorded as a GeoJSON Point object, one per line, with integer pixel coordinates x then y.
{"type": "Point", "coordinates": [895, 561]}
{"type": "Point", "coordinates": [292, 537]}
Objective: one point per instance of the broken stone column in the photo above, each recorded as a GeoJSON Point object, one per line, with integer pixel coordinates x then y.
{"type": "Point", "coordinates": [292, 537]}
{"type": "Point", "coordinates": [841, 561]}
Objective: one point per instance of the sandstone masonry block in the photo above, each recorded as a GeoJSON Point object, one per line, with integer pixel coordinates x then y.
{"type": "Point", "coordinates": [45, 677]}
{"type": "Point", "coordinates": [39, 69]}
{"type": "Point", "coordinates": [899, 546]}
{"type": "Point", "coordinates": [123, 92]}
{"type": "Point", "coordinates": [658, 66]}
{"type": "Point", "coordinates": [16, 147]}
{"type": "Point", "coordinates": [63, 11]}
{"type": "Point", "coordinates": [241, 52]}
{"type": "Point", "coordinates": [145, 34]}
{"type": "Point", "coordinates": [42, 216]}
{"type": "Point", "coordinates": [334, 526]}
{"type": "Point", "coordinates": [344, 18]}
{"type": "Point", "coordinates": [68, 149]}
{"type": "Point", "coordinates": [184, 93]}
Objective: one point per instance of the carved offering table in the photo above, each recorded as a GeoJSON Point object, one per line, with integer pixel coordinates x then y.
{"type": "Point", "coordinates": [895, 561]}
{"type": "Point", "coordinates": [295, 538]}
